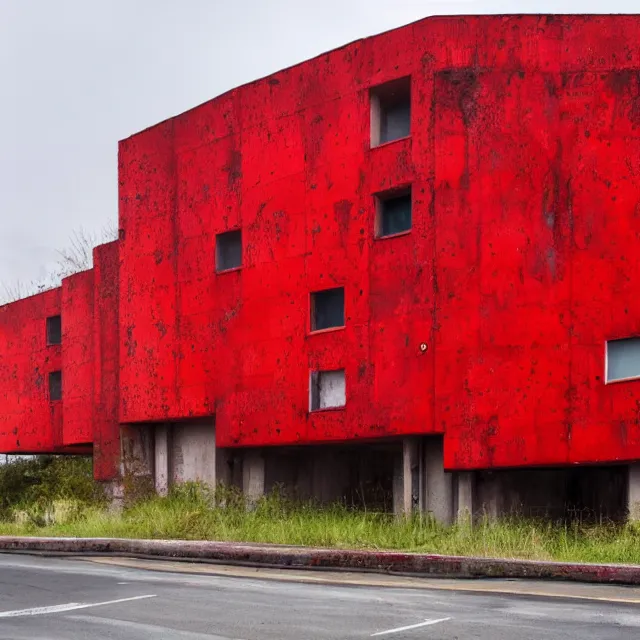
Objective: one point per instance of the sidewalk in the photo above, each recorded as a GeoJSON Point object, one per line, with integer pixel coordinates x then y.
{"type": "Point", "coordinates": [283, 557]}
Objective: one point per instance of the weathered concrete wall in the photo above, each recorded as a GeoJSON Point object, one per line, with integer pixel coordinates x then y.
{"type": "Point", "coordinates": [193, 452]}
{"type": "Point", "coordinates": [520, 263]}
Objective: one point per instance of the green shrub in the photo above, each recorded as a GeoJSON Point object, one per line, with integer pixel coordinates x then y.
{"type": "Point", "coordinates": [34, 484]}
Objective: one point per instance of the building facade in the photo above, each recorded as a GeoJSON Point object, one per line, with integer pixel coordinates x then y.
{"type": "Point", "coordinates": [404, 273]}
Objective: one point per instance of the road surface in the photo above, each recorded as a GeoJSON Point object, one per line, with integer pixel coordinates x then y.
{"type": "Point", "coordinates": [70, 598]}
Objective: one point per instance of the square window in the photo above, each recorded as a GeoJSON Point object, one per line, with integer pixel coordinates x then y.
{"type": "Point", "coordinates": [327, 309]}
{"type": "Point", "coordinates": [623, 359]}
{"type": "Point", "coordinates": [327, 390]}
{"type": "Point", "coordinates": [229, 250]}
{"type": "Point", "coordinates": [55, 385]}
{"type": "Point", "coordinates": [390, 111]}
{"type": "Point", "coordinates": [393, 213]}
{"type": "Point", "coordinates": [54, 330]}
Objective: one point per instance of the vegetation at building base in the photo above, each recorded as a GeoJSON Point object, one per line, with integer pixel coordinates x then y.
{"type": "Point", "coordinates": [57, 497]}
{"type": "Point", "coordinates": [33, 488]}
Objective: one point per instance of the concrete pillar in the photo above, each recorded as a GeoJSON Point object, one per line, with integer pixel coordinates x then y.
{"type": "Point", "coordinates": [193, 447]}
{"type": "Point", "coordinates": [137, 461]}
{"type": "Point", "coordinates": [493, 500]}
{"type": "Point", "coordinates": [162, 449]}
{"type": "Point", "coordinates": [137, 457]}
{"type": "Point", "coordinates": [634, 492]}
{"type": "Point", "coordinates": [398, 485]}
{"type": "Point", "coordinates": [114, 492]}
{"type": "Point", "coordinates": [439, 483]}
{"type": "Point", "coordinates": [253, 475]}
{"type": "Point", "coordinates": [408, 479]}
{"type": "Point", "coordinates": [465, 495]}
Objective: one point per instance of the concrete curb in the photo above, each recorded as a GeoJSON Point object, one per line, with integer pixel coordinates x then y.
{"type": "Point", "coordinates": [284, 557]}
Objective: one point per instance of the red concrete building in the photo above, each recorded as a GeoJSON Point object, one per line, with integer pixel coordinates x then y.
{"type": "Point", "coordinates": [407, 267]}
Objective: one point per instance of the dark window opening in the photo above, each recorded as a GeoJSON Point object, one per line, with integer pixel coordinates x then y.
{"type": "Point", "coordinates": [54, 330]}
{"type": "Point", "coordinates": [55, 385]}
{"type": "Point", "coordinates": [623, 359]}
{"type": "Point", "coordinates": [391, 111]}
{"type": "Point", "coordinates": [327, 309]}
{"type": "Point", "coordinates": [393, 213]}
{"type": "Point", "coordinates": [327, 390]}
{"type": "Point", "coordinates": [228, 250]}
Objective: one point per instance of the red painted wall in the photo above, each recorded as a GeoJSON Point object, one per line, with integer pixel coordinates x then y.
{"type": "Point", "coordinates": [86, 419]}
{"type": "Point", "coordinates": [520, 264]}
{"type": "Point", "coordinates": [106, 429]}
{"type": "Point", "coordinates": [77, 358]}
{"type": "Point", "coordinates": [29, 422]}
{"type": "Point", "coordinates": [522, 260]}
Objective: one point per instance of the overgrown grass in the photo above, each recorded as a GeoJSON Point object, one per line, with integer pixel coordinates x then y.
{"type": "Point", "coordinates": [34, 486]}
{"type": "Point", "coordinates": [193, 512]}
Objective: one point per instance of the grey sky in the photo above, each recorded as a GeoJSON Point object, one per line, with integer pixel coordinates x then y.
{"type": "Point", "coordinates": [79, 75]}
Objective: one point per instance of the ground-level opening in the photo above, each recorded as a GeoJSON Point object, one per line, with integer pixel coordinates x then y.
{"type": "Point", "coordinates": [588, 494]}
{"type": "Point", "coordinates": [358, 476]}
{"type": "Point", "coordinates": [404, 475]}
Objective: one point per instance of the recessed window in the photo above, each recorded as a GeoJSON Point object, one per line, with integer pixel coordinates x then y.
{"type": "Point", "coordinates": [393, 213]}
{"type": "Point", "coordinates": [327, 309]}
{"type": "Point", "coordinates": [54, 330]}
{"type": "Point", "coordinates": [229, 250]}
{"type": "Point", "coordinates": [623, 359]}
{"type": "Point", "coordinates": [55, 385]}
{"type": "Point", "coordinates": [390, 111]}
{"type": "Point", "coordinates": [327, 390]}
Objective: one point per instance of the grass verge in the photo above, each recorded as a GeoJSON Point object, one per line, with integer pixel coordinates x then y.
{"type": "Point", "coordinates": [193, 512]}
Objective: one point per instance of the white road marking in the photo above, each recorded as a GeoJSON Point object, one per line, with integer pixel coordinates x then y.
{"type": "Point", "coordinates": [60, 608]}
{"type": "Point", "coordinates": [426, 623]}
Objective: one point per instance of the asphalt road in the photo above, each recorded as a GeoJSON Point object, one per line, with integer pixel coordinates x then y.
{"type": "Point", "coordinates": [72, 599]}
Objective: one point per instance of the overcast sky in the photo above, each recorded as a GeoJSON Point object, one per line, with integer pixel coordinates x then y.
{"type": "Point", "coordinates": [76, 76]}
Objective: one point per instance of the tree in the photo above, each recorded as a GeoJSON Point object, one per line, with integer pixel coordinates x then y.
{"type": "Point", "coordinates": [77, 256]}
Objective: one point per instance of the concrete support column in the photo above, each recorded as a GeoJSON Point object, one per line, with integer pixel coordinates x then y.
{"type": "Point", "coordinates": [253, 468]}
{"type": "Point", "coordinates": [398, 485]}
{"type": "Point", "coordinates": [491, 499]}
{"type": "Point", "coordinates": [137, 457]}
{"type": "Point", "coordinates": [162, 449]}
{"type": "Point", "coordinates": [439, 483]}
{"type": "Point", "coordinates": [114, 492]}
{"type": "Point", "coordinates": [465, 495]}
{"type": "Point", "coordinates": [634, 492]}
{"type": "Point", "coordinates": [408, 479]}
{"type": "Point", "coordinates": [193, 452]}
